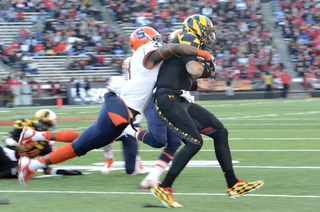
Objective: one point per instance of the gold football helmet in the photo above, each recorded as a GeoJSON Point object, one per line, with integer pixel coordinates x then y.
{"type": "Point", "coordinates": [45, 119]}
{"type": "Point", "coordinates": [202, 27]}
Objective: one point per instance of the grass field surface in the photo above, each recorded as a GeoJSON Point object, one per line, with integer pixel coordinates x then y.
{"type": "Point", "coordinates": [277, 141]}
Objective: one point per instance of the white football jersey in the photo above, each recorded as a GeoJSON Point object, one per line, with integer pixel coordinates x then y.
{"type": "Point", "coordinates": [116, 83]}
{"type": "Point", "coordinates": [137, 90]}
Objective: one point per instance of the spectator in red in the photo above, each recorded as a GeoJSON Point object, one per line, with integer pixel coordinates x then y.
{"type": "Point", "coordinates": [60, 47]}
{"type": "Point", "coordinates": [20, 16]}
{"type": "Point", "coordinates": [39, 50]}
{"type": "Point", "coordinates": [285, 78]}
{"type": "Point", "coordinates": [49, 4]}
{"type": "Point", "coordinates": [15, 81]}
{"type": "Point", "coordinates": [15, 45]}
{"type": "Point", "coordinates": [23, 33]}
{"type": "Point", "coordinates": [100, 60]}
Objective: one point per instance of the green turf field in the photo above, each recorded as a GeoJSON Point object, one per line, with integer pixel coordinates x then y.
{"type": "Point", "coordinates": [277, 141]}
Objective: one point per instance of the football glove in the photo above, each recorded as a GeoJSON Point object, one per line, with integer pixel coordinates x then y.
{"type": "Point", "coordinates": [212, 63]}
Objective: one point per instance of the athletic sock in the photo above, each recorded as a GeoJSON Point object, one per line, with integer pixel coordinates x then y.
{"type": "Point", "coordinates": [61, 154]}
{"type": "Point", "coordinates": [67, 136]}
{"type": "Point", "coordinates": [108, 154]}
{"type": "Point", "coordinates": [157, 170]}
{"type": "Point", "coordinates": [37, 163]}
{"type": "Point", "coordinates": [230, 178]}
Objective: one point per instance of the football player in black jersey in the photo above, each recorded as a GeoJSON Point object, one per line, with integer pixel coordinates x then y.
{"type": "Point", "coordinates": [44, 120]}
{"type": "Point", "coordinates": [187, 120]}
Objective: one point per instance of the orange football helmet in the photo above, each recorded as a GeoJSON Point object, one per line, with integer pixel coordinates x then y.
{"type": "Point", "coordinates": [143, 35]}
{"type": "Point", "coordinates": [174, 34]}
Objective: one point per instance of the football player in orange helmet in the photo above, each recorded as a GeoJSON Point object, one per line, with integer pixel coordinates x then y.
{"type": "Point", "coordinates": [117, 112]}
{"type": "Point", "coordinates": [142, 36]}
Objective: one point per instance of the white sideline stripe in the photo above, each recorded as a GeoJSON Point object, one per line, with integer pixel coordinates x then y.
{"type": "Point", "coordinates": [148, 193]}
{"type": "Point", "coordinates": [237, 150]}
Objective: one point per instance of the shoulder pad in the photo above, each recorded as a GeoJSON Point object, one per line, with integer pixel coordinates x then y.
{"type": "Point", "coordinates": [20, 123]}
{"type": "Point", "coordinates": [188, 38]}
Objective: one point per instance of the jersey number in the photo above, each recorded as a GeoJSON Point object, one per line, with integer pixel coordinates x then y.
{"type": "Point", "coordinates": [140, 33]}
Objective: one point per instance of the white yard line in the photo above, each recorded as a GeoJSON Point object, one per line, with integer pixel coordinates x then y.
{"type": "Point", "coordinates": [237, 150]}
{"type": "Point", "coordinates": [148, 193]}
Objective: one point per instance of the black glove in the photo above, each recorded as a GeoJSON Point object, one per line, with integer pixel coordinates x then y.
{"type": "Point", "coordinates": [73, 172]}
{"type": "Point", "coordinates": [67, 172]}
{"type": "Point", "coordinates": [212, 63]}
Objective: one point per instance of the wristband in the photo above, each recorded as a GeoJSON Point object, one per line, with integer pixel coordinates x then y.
{"type": "Point", "coordinates": [206, 72]}
{"type": "Point", "coordinates": [161, 54]}
{"type": "Point", "coordinates": [206, 55]}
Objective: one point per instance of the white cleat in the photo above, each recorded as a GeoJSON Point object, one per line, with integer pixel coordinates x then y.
{"type": "Point", "coordinates": [24, 171]}
{"type": "Point", "coordinates": [107, 164]}
{"type": "Point", "coordinates": [26, 136]}
{"type": "Point", "coordinates": [148, 183]}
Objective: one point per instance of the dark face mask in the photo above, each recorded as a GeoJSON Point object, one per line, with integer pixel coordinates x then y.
{"type": "Point", "coordinates": [209, 40]}
{"type": "Point", "coordinates": [45, 126]}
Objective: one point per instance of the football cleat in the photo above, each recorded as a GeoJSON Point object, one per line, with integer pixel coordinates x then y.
{"type": "Point", "coordinates": [26, 136]}
{"type": "Point", "coordinates": [242, 187]}
{"type": "Point", "coordinates": [107, 164]}
{"type": "Point", "coordinates": [24, 171]}
{"type": "Point", "coordinates": [165, 196]}
{"type": "Point", "coordinates": [147, 184]}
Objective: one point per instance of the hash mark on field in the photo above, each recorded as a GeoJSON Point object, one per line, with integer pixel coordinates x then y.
{"type": "Point", "coordinates": [148, 193]}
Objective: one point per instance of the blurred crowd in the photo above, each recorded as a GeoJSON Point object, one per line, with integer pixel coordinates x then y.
{"type": "Point", "coordinates": [244, 48]}
{"type": "Point", "coordinates": [299, 23]}
{"type": "Point", "coordinates": [61, 27]}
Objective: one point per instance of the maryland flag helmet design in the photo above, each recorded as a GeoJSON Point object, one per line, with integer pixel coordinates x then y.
{"type": "Point", "coordinates": [45, 119]}
{"type": "Point", "coordinates": [202, 27]}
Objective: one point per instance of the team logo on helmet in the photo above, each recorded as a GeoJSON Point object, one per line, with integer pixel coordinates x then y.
{"type": "Point", "coordinates": [143, 35]}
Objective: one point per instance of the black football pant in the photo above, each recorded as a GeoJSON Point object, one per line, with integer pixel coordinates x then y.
{"type": "Point", "coordinates": [188, 121]}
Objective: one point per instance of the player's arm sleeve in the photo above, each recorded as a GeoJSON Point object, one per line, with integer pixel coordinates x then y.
{"type": "Point", "coordinates": [188, 46]}
{"type": "Point", "coordinates": [8, 138]}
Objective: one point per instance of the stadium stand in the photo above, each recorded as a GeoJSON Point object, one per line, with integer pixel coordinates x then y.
{"type": "Point", "coordinates": [299, 24]}
{"type": "Point", "coordinates": [49, 31]}
{"type": "Point", "coordinates": [70, 37]}
{"type": "Point", "coordinates": [244, 47]}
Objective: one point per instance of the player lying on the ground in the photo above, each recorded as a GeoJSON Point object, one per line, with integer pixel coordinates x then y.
{"type": "Point", "coordinates": [118, 112]}
{"type": "Point", "coordinates": [9, 167]}
{"type": "Point", "coordinates": [43, 120]}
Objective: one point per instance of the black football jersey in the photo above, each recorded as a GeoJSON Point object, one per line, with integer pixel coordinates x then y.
{"type": "Point", "coordinates": [173, 73]}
